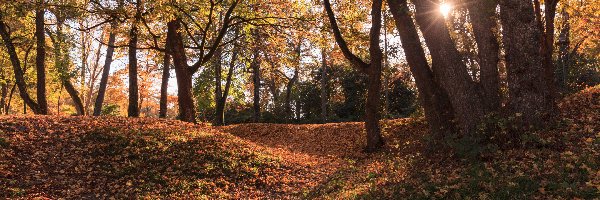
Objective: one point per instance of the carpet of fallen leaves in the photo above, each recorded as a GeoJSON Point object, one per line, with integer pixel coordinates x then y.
{"type": "Point", "coordinates": [98, 158]}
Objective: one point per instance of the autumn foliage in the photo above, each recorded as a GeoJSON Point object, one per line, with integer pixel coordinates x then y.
{"type": "Point", "coordinates": [90, 157]}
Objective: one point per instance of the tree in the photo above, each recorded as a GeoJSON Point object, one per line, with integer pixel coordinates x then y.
{"type": "Point", "coordinates": [40, 58]}
{"type": "Point", "coordinates": [531, 99]}
{"type": "Point", "coordinates": [133, 106]}
{"type": "Point", "coordinates": [16, 63]}
{"type": "Point", "coordinates": [61, 62]}
{"type": "Point", "coordinates": [433, 98]}
{"type": "Point", "coordinates": [110, 49]}
{"type": "Point", "coordinates": [372, 69]}
{"type": "Point", "coordinates": [183, 71]}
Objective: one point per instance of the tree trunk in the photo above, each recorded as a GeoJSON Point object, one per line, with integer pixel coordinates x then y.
{"type": "Point", "coordinates": [61, 64]}
{"type": "Point", "coordinates": [324, 89]}
{"type": "Point", "coordinates": [16, 63]}
{"type": "Point", "coordinates": [40, 59]}
{"type": "Point", "coordinates": [373, 105]}
{"type": "Point", "coordinates": [288, 95]}
{"type": "Point", "coordinates": [256, 82]}
{"type": "Point", "coordinates": [373, 70]}
{"type": "Point", "coordinates": [548, 46]}
{"type": "Point", "coordinates": [449, 68]}
{"type": "Point", "coordinates": [105, 72]}
{"type": "Point", "coordinates": [3, 94]}
{"type": "Point", "coordinates": [164, 85]}
{"type": "Point", "coordinates": [530, 96]}
{"type": "Point", "coordinates": [10, 95]}
{"type": "Point", "coordinates": [435, 102]}
{"type": "Point", "coordinates": [74, 95]}
{"type": "Point", "coordinates": [182, 73]}
{"type": "Point", "coordinates": [482, 14]}
{"type": "Point", "coordinates": [219, 104]}
{"type": "Point", "coordinates": [133, 109]}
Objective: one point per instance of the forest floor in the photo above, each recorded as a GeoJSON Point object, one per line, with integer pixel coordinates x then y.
{"type": "Point", "coordinates": [91, 158]}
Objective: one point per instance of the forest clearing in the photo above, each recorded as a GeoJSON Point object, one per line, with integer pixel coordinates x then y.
{"type": "Point", "coordinates": [90, 157]}
{"type": "Point", "coordinates": [299, 99]}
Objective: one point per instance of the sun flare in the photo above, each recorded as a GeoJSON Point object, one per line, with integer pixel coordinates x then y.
{"type": "Point", "coordinates": [445, 9]}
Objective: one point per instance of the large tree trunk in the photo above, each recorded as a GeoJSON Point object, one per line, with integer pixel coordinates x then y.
{"type": "Point", "coordinates": [182, 73]}
{"type": "Point", "coordinates": [105, 72]}
{"type": "Point", "coordinates": [256, 83]}
{"type": "Point", "coordinates": [40, 59]}
{"type": "Point", "coordinates": [435, 102]}
{"type": "Point", "coordinates": [482, 14]}
{"type": "Point", "coordinates": [530, 97]}
{"type": "Point", "coordinates": [255, 65]}
{"type": "Point", "coordinates": [16, 63]}
{"type": "Point", "coordinates": [324, 89]}
{"type": "Point", "coordinates": [164, 85]}
{"type": "Point", "coordinates": [449, 68]}
{"type": "Point", "coordinates": [373, 105]}
{"type": "Point", "coordinates": [133, 108]}
{"type": "Point", "coordinates": [373, 70]}
{"type": "Point", "coordinates": [548, 46]}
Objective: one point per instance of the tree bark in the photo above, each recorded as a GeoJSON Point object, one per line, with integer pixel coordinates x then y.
{"type": "Point", "coordinates": [40, 59]}
{"type": "Point", "coordinates": [133, 108]}
{"type": "Point", "coordinates": [221, 96]}
{"type": "Point", "coordinates": [16, 63]}
{"type": "Point", "coordinates": [448, 67]}
{"type": "Point", "coordinates": [324, 89]}
{"type": "Point", "coordinates": [61, 64]}
{"type": "Point", "coordinates": [10, 95]}
{"type": "Point", "coordinates": [482, 14]}
{"type": "Point", "coordinates": [182, 72]}
{"type": "Point", "coordinates": [164, 85]}
{"type": "Point", "coordinates": [219, 105]}
{"type": "Point", "coordinates": [373, 70]}
{"type": "Point", "coordinates": [3, 94]}
{"type": "Point", "coordinates": [255, 65]}
{"type": "Point", "coordinates": [548, 46]}
{"type": "Point", "coordinates": [373, 104]}
{"type": "Point", "coordinates": [530, 96]}
{"type": "Point", "coordinates": [110, 49]}
{"type": "Point", "coordinates": [435, 101]}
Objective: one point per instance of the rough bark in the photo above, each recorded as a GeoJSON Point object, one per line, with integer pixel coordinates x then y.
{"type": "Point", "coordinates": [40, 58]}
{"type": "Point", "coordinates": [482, 14]}
{"type": "Point", "coordinates": [105, 72]}
{"type": "Point", "coordinates": [164, 85]}
{"type": "Point", "coordinates": [182, 73]}
{"type": "Point", "coordinates": [530, 96]}
{"type": "Point", "coordinates": [449, 69]}
{"type": "Point", "coordinates": [133, 108]}
{"type": "Point", "coordinates": [324, 89]}
{"type": "Point", "coordinates": [373, 70]}
{"type": "Point", "coordinates": [435, 101]}
{"type": "Point", "coordinates": [548, 45]}
{"type": "Point", "coordinates": [255, 65]}
{"type": "Point", "coordinates": [16, 63]}
{"type": "Point", "coordinates": [373, 104]}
